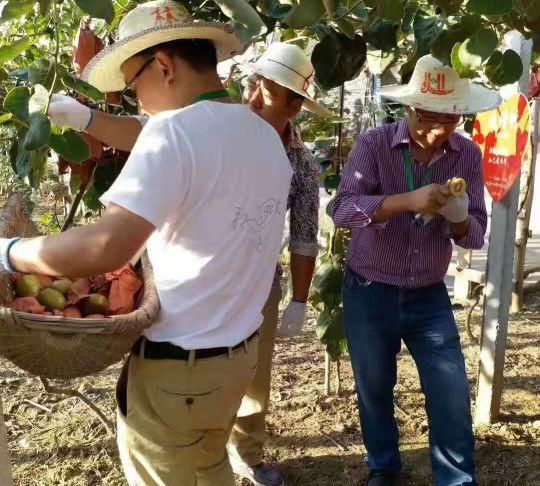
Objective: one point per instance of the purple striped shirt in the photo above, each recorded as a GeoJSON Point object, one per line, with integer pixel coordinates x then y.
{"type": "Point", "coordinates": [398, 252]}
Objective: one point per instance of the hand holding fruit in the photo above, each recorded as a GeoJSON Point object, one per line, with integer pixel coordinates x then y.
{"type": "Point", "coordinates": [428, 199]}
{"type": "Point", "coordinates": [67, 112]}
{"type": "Point", "coordinates": [456, 210]}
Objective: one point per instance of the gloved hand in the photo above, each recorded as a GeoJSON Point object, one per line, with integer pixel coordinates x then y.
{"type": "Point", "coordinates": [67, 112]}
{"type": "Point", "coordinates": [293, 319]}
{"type": "Point", "coordinates": [5, 246]}
{"type": "Point", "coordinates": [456, 209]}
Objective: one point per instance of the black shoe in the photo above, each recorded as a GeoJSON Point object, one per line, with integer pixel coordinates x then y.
{"type": "Point", "coordinates": [381, 478]}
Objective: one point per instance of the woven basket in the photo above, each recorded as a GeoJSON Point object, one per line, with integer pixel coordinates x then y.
{"type": "Point", "coordinates": [60, 347]}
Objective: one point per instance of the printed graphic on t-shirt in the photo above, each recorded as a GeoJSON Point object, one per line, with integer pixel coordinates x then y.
{"type": "Point", "coordinates": [256, 221]}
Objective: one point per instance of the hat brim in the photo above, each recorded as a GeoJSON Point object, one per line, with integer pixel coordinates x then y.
{"type": "Point", "coordinates": [103, 70]}
{"type": "Point", "coordinates": [309, 103]}
{"type": "Point", "coordinates": [479, 99]}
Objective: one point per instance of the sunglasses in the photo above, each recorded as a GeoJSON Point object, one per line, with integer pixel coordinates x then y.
{"type": "Point", "coordinates": [430, 118]}
{"type": "Point", "coordinates": [129, 84]}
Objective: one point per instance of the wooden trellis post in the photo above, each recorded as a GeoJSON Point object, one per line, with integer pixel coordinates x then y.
{"type": "Point", "coordinates": [499, 281]}
{"type": "Point", "coordinates": [524, 216]}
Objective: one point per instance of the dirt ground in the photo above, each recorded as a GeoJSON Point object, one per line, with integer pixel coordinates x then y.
{"type": "Point", "coordinates": [315, 438]}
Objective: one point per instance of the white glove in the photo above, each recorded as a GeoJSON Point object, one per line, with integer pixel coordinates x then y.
{"type": "Point", "coordinates": [293, 319]}
{"type": "Point", "coordinates": [67, 112]}
{"type": "Point", "coordinates": [5, 246]}
{"type": "Point", "coordinates": [456, 209]}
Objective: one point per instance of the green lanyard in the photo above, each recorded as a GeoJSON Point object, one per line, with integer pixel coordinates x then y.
{"type": "Point", "coordinates": [212, 95]}
{"type": "Point", "coordinates": [409, 171]}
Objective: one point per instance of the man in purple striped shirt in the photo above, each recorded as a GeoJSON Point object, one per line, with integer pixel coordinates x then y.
{"type": "Point", "coordinates": [394, 287]}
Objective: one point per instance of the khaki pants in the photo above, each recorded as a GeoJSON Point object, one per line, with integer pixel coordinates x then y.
{"type": "Point", "coordinates": [175, 417]}
{"type": "Point", "coordinates": [249, 432]}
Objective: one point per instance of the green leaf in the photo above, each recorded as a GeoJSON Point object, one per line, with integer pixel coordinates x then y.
{"type": "Point", "coordinates": [235, 90]}
{"type": "Point", "coordinates": [39, 100]}
{"type": "Point", "coordinates": [347, 28]}
{"type": "Point", "coordinates": [5, 118]}
{"type": "Point", "coordinates": [331, 183]}
{"type": "Point", "coordinates": [305, 14]}
{"type": "Point", "coordinates": [3, 75]}
{"type": "Point", "coordinates": [99, 9]}
{"type": "Point", "coordinates": [355, 9]}
{"type": "Point", "coordinates": [469, 125]}
{"type": "Point", "coordinates": [463, 71]}
{"type": "Point", "coordinates": [443, 45]}
{"type": "Point", "coordinates": [15, 9]}
{"type": "Point", "coordinates": [82, 87]}
{"type": "Point", "coordinates": [16, 102]}
{"type": "Point", "coordinates": [449, 6]}
{"type": "Point", "coordinates": [91, 199]}
{"type": "Point", "coordinates": [330, 7]}
{"type": "Point", "coordinates": [69, 145]}
{"type": "Point", "coordinates": [243, 14]}
{"type": "Point", "coordinates": [21, 159]}
{"type": "Point", "coordinates": [331, 333]}
{"type": "Point", "coordinates": [490, 7]}
{"type": "Point", "coordinates": [391, 10]}
{"type": "Point", "coordinates": [7, 53]}
{"type": "Point", "coordinates": [44, 6]}
{"type": "Point", "coordinates": [38, 160]}
{"type": "Point", "coordinates": [470, 23]}
{"type": "Point", "coordinates": [104, 177]}
{"type": "Point", "coordinates": [426, 30]}
{"type": "Point", "coordinates": [504, 68]}
{"type": "Point", "coordinates": [382, 35]}
{"type": "Point", "coordinates": [476, 49]}
{"type": "Point", "coordinates": [41, 71]}
{"type": "Point", "coordinates": [337, 59]}
{"type": "Point", "coordinates": [21, 75]}
{"type": "Point", "coordinates": [408, 17]}
{"type": "Point", "coordinates": [39, 132]}
{"type": "Point", "coordinates": [535, 60]}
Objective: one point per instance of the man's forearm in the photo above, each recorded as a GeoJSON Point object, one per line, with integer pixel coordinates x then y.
{"type": "Point", "coordinates": [392, 206]}
{"type": "Point", "coordinates": [120, 132]}
{"type": "Point", "coordinates": [76, 253]}
{"type": "Point", "coordinates": [88, 250]}
{"type": "Point", "coordinates": [302, 268]}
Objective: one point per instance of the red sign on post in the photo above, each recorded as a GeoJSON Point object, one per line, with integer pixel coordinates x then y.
{"type": "Point", "coordinates": [503, 137]}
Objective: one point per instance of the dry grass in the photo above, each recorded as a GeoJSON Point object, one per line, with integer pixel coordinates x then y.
{"type": "Point", "coordinates": [315, 438]}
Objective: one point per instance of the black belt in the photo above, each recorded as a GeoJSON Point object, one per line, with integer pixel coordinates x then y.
{"type": "Point", "coordinates": [166, 350]}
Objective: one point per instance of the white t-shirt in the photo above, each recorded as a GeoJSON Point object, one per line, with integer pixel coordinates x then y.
{"type": "Point", "coordinates": [213, 178]}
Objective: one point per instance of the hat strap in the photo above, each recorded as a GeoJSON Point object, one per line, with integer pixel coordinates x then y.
{"type": "Point", "coordinates": [307, 80]}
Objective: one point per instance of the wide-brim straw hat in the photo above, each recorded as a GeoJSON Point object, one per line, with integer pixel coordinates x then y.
{"type": "Point", "coordinates": [438, 88]}
{"type": "Point", "coordinates": [288, 66]}
{"type": "Point", "coordinates": [150, 24]}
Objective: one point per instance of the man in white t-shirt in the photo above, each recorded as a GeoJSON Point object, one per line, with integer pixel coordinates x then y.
{"type": "Point", "coordinates": [205, 188]}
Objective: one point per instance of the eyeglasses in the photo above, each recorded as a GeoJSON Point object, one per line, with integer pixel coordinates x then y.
{"type": "Point", "coordinates": [129, 84]}
{"type": "Point", "coordinates": [430, 118]}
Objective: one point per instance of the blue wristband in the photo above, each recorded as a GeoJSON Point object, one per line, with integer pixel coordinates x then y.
{"type": "Point", "coordinates": [9, 265]}
{"type": "Point", "coordinates": [90, 120]}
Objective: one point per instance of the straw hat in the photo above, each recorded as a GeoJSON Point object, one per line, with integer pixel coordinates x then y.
{"type": "Point", "coordinates": [438, 88]}
{"type": "Point", "coordinates": [150, 24]}
{"type": "Point", "coordinates": [288, 66]}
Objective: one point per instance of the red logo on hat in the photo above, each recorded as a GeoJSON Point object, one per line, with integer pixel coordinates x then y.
{"type": "Point", "coordinates": [164, 15]}
{"type": "Point", "coordinates": [435, 85]}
